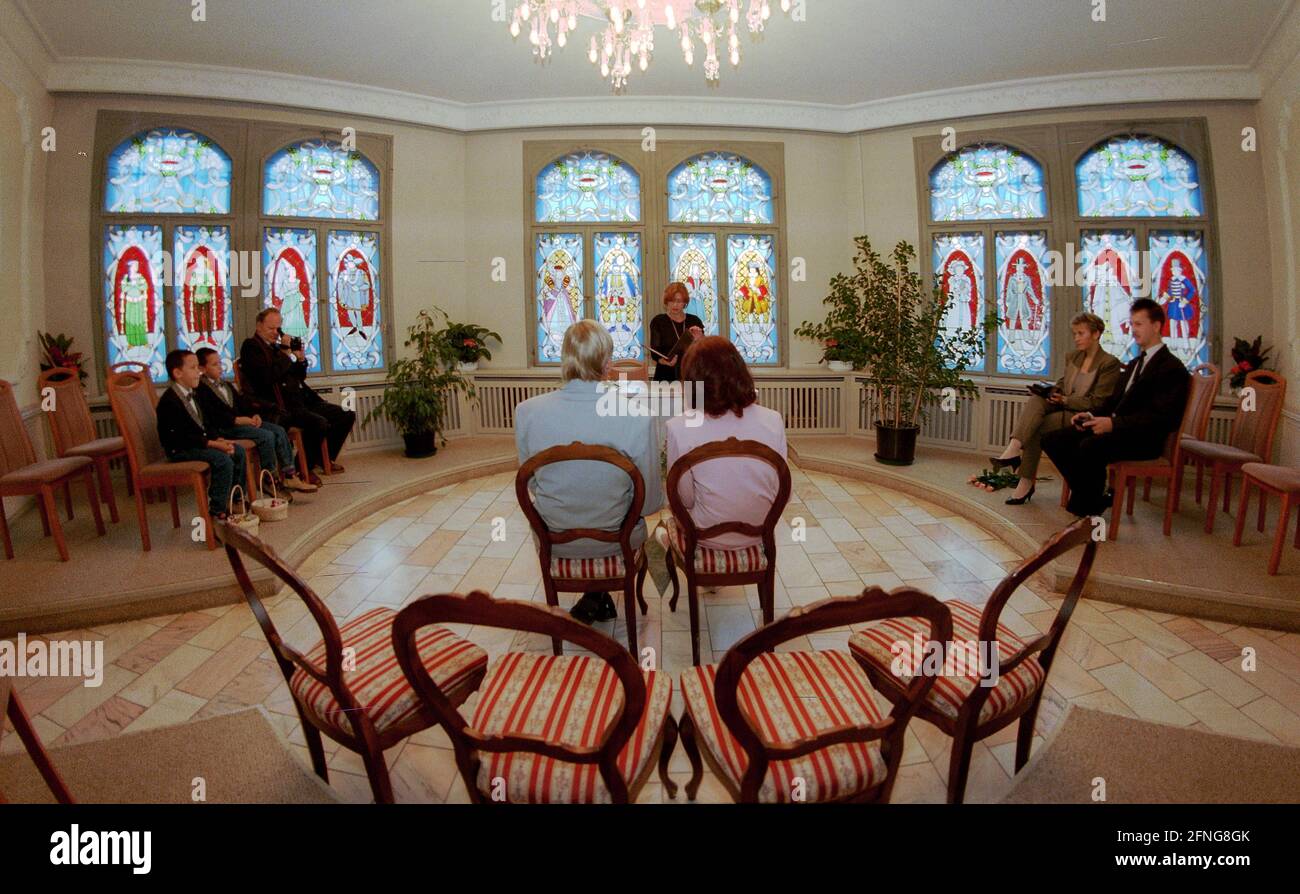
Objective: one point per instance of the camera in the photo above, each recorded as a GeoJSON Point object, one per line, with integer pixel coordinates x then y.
{"type": "Point", "coordinates": [295, 343]}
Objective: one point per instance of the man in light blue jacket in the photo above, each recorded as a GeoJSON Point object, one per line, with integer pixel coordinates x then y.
{"type": "Point", "coordinates": [586, 494]}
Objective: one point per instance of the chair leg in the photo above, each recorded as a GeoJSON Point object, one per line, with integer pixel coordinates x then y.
{"type": "Point", "coordinates": [45, 517]}
{"type": "Point", "coordinates": [629, 614]}
{"type": "Point", "coordinates": [1227, 489]}
{"type": "Point", "coordinates": [1117, 509]}
{"type": "Point", "coordinates": [1169, 503]}
{"type": "Point", "coordinates": [672, 576]}
{"type": "Point", "coordinates": [666, 753]}
{"type": "Point", "coordinates": [200, 486]}
{"type": "Point", "coordinates": [23, 727]}
{"type": "Point", "coordinates": [4, 531]}
{"type": "Point", "coordinates": [1025, 732]}
{"type": "Point", "coordinates": [693, 603]}
{"type": "Point", "coordinates": [106, 488]}
{"type": "Point", "coordinates": [67, 499]}
{"type": "Point", "coordinates": [640, 583]}
{"type": "Point", "coordinates": [1263, 504]}
{"type": "Point", "coordinates": [686, 729]}
{"type": "Point", "coordinates": [93, 496]}
{"type": "Point", "coordinates": [1275, 559]}
{"type": "Point", "coordinates": [1200, 470]}
{"type": "Point", "coordinates": [56, 528]}
{"type": "Point", "coordinates": [176, 511]}
{"type": "Point", "coordinates": [1132, 491]}
{"type": "Point", "coordinates": [377, 772]}
{"type": "Point", "coordinates": [1176, 484]}
{"type": "Point", "coordinates": [1241, 510]}
{"type": "Point", "coordinates": [959, 766]}
{"type": "Point", "coordinates": [315, 746]}
{"type": "Point", "coordinates": [553, 600]}
{"type": "Point", "coordinates": [142, 515]}
{"type": "Point", "coordinates": [1210, 507]}
{"type": "Point", "coordinates": [767, 595]}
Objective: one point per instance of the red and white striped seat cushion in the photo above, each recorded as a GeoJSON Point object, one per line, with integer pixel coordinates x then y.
{"type": "Point", "coordinates": [719, 561]}
{"type": "Point", "coordinates": [377, 682]}
{"type": "Point", "coordinates": [788, 696]}
{"type": "Point", "coordinates": [569, 700]}
{"type": "Point", "coordinates": [598, 568]}
{"type": "Point", "coordinates": [876, 644]}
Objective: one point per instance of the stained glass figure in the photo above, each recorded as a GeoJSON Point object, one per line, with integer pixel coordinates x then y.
{"type": "Point", "coordinates": [356, 340]}
{"type": "Point", "coordinates": [751, 261]}
{"type": "Point", "coordinates": [719, 187]}
{"type": "Point", "coordinates": [1180, 283]}
{"type": "Point", "coordinates": [618, 291]}
{"type": "Point", "coordinates": [558, 257]}
{"type": "Point", "coordinates": [289, 285]}
{"type": "Point", "coordinates": [588, 187]}
{"type": "Point", "coordinates": [959, 269]}
{"type": "Point", "coordinates": [1024, 303]}
{"type": "Point", "coordinates": [693, 261]}
{"type": "Point", "coordinates": [1138, 176]}
{"type": "Point", "coordinates": [1108, 265]}
{"type": "Point", "coordinates": [987, 182]}
{"type": "Point", "coordinates": [200, 284]}
{"type": "Point", "coordinates": [319, 178]}
{"type": "Point", "coordinates": [168, 171]}
{"type": "Point", "coordinates": [134, 274]}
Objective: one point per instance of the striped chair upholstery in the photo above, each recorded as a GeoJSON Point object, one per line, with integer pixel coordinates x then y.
{"type": "Point", "coordinates": [876, 643]}
{"type": "Point", "coordinates": [598, 568]}
{"type": "Point", "coordinates": [377, 682]}
{"type": "Point", "coordinates": [570, 700]}
{"type": "Point", "coordinates": [788, 696]}
{"type": "Point", "coordinates": [719, 561]}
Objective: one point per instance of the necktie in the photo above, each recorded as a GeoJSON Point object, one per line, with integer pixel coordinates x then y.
{"type": "Point", "coordinates": [193, 408]}
{"type": "Point", "coordinates": [1137, 371]}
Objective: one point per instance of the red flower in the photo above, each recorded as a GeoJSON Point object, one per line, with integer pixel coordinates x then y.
{"type": "Point", "coordinates": [470, 343]}
{"type": "Point", "coordinates": [831, 343]}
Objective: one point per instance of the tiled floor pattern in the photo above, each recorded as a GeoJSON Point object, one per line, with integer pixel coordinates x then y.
{"type": "Point", "coordinates": [1177, 670]}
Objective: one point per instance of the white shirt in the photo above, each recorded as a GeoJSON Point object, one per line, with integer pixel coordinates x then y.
{"type": "Point", "coordinates": [1150, 355]}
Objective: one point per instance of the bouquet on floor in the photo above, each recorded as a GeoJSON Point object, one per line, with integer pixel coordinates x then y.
{"type": "Point", "coordinates": [991, 481]}
{"type": "Point", "coordinates": [1249, 356]}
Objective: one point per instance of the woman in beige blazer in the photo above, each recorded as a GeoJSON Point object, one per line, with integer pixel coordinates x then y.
{"type": "Point", "coordinates": [1090, 377]}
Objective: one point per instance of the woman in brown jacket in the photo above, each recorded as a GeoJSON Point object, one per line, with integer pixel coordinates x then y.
{"type": "Point", "coordinates": [1090, 377]}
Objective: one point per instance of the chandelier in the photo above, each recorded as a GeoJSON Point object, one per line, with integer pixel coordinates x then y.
{"type": "Point", "coordinates": [629, 30]}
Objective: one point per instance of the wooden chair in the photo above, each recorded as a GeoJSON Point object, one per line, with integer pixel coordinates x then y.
{"type": "Point", "coordinates": [137, 420]}
{"type": "Point", "coordinates": [1251, 440]}
{"type": "Point", "coordinates": [12, 707]}
{"type": "Point", "coordinates": [132, 366]}
{"type": "Point", "coordinates": [592, 737]}
{"type": "Point", "coordinates": [1270, 479]}
{"type": "Point", "coordinates": [73, 430]}
{"type": "Point", "coordinates": [804, 726]}
{"type": "Point", "coordinates": [632, 370]}
{"type": "Point", "coordinates": [576, 575]}
{"type": "Point", "coordinates": [295, 436]}
{"type": "Point", "coordinates": [21, 475]}
{"type": "Point", "coordinates": [348, 685]}
{"type": "Point", "coordinates": [961, 703]}
{"type": "Point", "coordinates": [712, 567]}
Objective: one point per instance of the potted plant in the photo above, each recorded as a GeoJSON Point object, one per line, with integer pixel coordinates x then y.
{"type": "Point", "coordinates": [57, 353]}
{"type": "Point", "coordinates": [1249, 356]}
{"type": "Point", "coordinates": [912, 359]}
{"type": "Point", "coordinates": [415, 399]}
{"type": "Point", "coordinates": [469, 341]}
{"type": "Point", "coordinates": [841, 333]}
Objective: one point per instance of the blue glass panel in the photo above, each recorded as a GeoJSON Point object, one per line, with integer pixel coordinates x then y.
{"type": "Point", "coordinates": [588, 187]}
{"type": "Point", "coordinates": [1180, 282]}
{"type": "Point", "coordinates": [319, 178]}
{"type": "Point", "coordinates": [289, 285]}
{"type": "Point", "coordinates": [618, 291]}
{"type": "Point", "coordinates": [1138, 176]}
{"type": "Point", "coordinates": [751, 262]}
{"type": "Point", "coordinates": [356, 337]}
{"type": "Point", "coordinates": [693, 261]}
{"type": "Point", "coordinates": [719, 187]}
{"type": "Point", "coordinates": [959, 269]}
{"type": "Point", "coordinates": [201, 288]}
{"type": "Point", "coordinates": [558, 260]}
{"type": "Point", "coordinates": [987, 182]}
{"type": "Point", "coordinates": [1024, 303]}
{"type": "Point", "coordinates": [168, 171]}
{"type": "Point", "coordinates": [135, 271]}
{"type": "Point", "coordinates": [1108, 266]}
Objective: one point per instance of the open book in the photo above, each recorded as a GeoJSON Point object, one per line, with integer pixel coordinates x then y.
{"type": "Point", "coordinates": [678, 349]}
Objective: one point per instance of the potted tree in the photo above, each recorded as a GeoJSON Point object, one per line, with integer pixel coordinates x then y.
{"type": "Point", "coordinates": [913, 360]}
{"type": "Point", "coordinates": [415, 399]}
{"type": "Point", "coordinates": [469, 341]}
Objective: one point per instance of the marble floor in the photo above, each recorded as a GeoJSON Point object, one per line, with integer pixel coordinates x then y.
{"type": "Point", "coordinates": [1161, 667]}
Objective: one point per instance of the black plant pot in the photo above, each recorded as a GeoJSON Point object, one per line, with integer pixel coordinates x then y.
{"type": "Point", "coordinates": [896, 446]}
{"type": "Point", "coordinates": [421, 444]}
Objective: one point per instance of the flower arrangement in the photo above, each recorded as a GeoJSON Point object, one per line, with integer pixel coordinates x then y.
{"type": "Point", "coordinates": [468, 340]}
{"type": "Point", "coordinates": [57, 352]}
{"type": "Point", "coordinates": [991, 481]}
{"type": "Point", "coordinates": [1249, 356]}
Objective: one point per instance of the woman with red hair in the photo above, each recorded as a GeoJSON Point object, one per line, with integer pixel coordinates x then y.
{"type": "Point", "coordinates": [668, 329]}
{"type": "Point", "coordinates": [727, 488]}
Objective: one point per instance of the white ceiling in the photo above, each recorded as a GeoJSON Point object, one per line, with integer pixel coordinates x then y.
{"type": "Point", "coordinates": [847, 52]}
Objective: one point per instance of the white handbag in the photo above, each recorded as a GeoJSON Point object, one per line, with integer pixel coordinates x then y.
{"type": "Point", "coordinates": [273, 508]}
{"type": "Point", "coordinates": [246, 521]}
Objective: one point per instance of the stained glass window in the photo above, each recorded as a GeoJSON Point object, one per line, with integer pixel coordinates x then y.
{"type": "Point", "coordinates": [168, 171]}
{"type": "Point", "coordinates": [1138, 176]}
{"type": "Point", "coordinates": [987, 182]}
{"type": "Point", "coordinates": [719, 187]}
{"type": "Point", "coordinates": [558, 265]}
{"type": "Point", "coordinates": [751, 279]}
{"type": "Point", "coordinates": [1180, 282]}
{"type": "Point", "coordinates": [1024, 303]}
{"type": "Point", "coordinates": [356, 340]}
{"type": "Point", "coordinates": [134, 272]}
{"type": "Point", "coordinates": [289, 285]}
{"type": "Point", "coordinates": [618, 291]}
{"type": "Point", "coordinates": [1108, 266]}
{"type": "Point", "coordinates": [201, 289]}
{"type": "Point", "coordinates": [693, 261]}
{"type": "Point", "coordinates": [959, 269]}
{"type": "Point", "coordinates": [588, 187]}
{"type": "Point", "coordinates": [319, 178]}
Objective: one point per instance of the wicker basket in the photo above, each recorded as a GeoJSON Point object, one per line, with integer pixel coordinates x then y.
{"type": "Point", "coordinates": [272, 508]}
{"type": "Point", "coordinates": [246, 521]}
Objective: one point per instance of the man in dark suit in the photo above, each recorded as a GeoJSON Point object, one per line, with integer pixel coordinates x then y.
{"type": "Point", "coordinates": [186, 436]}
{"type": "Point", "coordinates": [275, 377]}
{"type": "Point", "coordinates": [1132, 424]}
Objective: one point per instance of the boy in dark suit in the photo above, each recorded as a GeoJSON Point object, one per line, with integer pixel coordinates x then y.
{"type": "Point", "coordinates": [187, 436]}
{"type": "Point", "coordinates": [1133, 423]}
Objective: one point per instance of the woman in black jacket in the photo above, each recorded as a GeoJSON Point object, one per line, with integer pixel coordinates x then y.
{"type": "Point", "coordinates": [667, 330]}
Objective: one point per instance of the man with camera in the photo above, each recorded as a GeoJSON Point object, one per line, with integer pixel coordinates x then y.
{"type": "Point", "coordinates": [274, 369]}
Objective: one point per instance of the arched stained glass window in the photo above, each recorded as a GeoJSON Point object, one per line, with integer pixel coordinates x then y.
{"type": "Point", "coordinates": [321, 179]}
{"type": "Point", "coordinates": [588, 187]}
{"type": "Point", "coordinates": [987, 181]}
{"type": "Point", "coordinates": [168, 171]}
{"type": "Point", "coordinates": [719, 187]}
{"type": "Point", "coordinates": [1138, 176]}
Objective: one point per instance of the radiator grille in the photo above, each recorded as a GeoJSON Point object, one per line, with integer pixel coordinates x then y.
{"type": "Point", "coordinates": [808, 407]}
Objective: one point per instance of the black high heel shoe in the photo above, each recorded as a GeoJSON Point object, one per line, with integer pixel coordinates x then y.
{"type": "Point", "coordinates": [1020, 501]}
{"type": "Point", "coordinates": [998, 463]}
